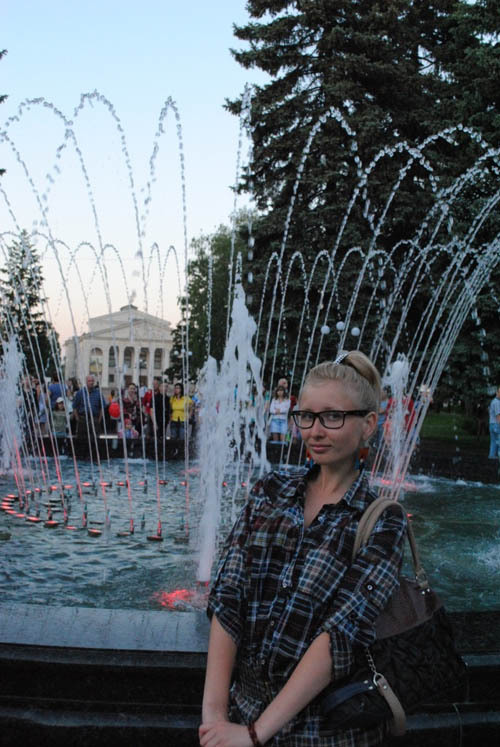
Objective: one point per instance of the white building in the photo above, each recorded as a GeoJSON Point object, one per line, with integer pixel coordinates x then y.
{"type": "Point", "coordinates": [128, 345]}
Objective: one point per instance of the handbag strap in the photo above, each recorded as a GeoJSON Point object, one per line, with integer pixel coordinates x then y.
{"type": "Point", "coordinates": [365, 528]}
{"type": "Point", "coordinates": [398, 727]}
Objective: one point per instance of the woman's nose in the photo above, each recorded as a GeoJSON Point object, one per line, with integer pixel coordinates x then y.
{"type": "Point", "coordinates": [317, 427]}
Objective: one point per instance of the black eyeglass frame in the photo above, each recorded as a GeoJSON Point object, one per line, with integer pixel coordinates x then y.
{"type": "Point", "coordinates": [319, 415]}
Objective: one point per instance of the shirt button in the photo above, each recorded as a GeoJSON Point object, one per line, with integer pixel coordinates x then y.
{"type": "Point", "coordinates": [272, 623]}
{"type": "Point", "coordinates": [285, 584]}
{"type": "Point", "coordinates": [369, 587]}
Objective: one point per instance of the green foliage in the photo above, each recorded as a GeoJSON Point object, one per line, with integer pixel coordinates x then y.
{"type": "Point", "coordinates": [207, 310]}
{"type": "Point", "coordinates": [385, 73]}
{"type": "Point", "coordinates": [174, 371]}
{"type": "Point", "coordinates": [471, 376]}
{"type": "Point", "coordinates": [22, 307]}
{"type": "Point", "coordinates": [459, 430]}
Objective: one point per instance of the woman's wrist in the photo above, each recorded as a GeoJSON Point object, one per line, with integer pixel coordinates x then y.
{"type": "Point", "coordinates": [214, 712]}
{"type": "Point", "coordinates": [253, 735]}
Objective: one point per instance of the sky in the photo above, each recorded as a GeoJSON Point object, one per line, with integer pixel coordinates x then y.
{"type": "Point", "coordinates": [82, 181]}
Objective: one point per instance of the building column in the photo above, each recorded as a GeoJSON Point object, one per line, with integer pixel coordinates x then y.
{"type": "Point", "coordinates": [136, 369]}
{"type": "Point", "coordinates": [105, 366]}
{"type": "Point", "coordinates": [85, 361]}
{"type": "Point", "coordinates": [120, 363]}
{"type": "Point", "coordinates": [150, 368]}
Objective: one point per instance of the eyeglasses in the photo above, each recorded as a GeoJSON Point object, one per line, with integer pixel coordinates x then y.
{"type": "Point", "coordinates": [328, 418]}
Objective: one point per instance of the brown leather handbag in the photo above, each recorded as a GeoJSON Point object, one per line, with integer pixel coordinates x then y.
{"type": "Point", "coordinates": [413, 660]}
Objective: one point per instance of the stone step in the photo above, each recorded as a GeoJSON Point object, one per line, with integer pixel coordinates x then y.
{"type": "Point", "coordinates": [90, 697]}
{"type": "Point", "coordinates": [40, 723]}
{"type": "Point", "coordinates": [163, 678]}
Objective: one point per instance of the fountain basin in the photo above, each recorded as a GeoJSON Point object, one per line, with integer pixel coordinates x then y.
{"type": "Point", "coordinates": [100, 676]}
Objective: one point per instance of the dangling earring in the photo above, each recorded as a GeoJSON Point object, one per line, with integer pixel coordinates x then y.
{"type": "Point", "coordinates": [362, 455]}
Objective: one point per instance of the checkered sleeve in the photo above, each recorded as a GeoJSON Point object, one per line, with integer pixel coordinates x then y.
{"type": "Point", "coordinates": [365, 590]}
{"type": "Point", "coordinates": [227, 596]}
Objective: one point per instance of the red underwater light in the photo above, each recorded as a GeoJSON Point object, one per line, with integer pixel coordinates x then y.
{"type": "Point", "coordinates": [51, 523]}
{"type": "Point", "coordinates": [162, 482]}
{"type": "Point", "coordinates": [94, 532]}
{"type": "Point", "coordinates": [33, 519]}
{"type": "Point", "coordinates": [172, 599]}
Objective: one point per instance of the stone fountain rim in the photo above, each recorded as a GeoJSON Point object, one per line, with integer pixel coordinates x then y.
{"type": "Point", "coordinates": [104, 629]}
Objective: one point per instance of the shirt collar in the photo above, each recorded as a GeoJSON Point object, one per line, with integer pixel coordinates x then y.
{"type": "Point", "coordinates": [357, 497]}
{"type": "Point", "coordinates": [290, 488]}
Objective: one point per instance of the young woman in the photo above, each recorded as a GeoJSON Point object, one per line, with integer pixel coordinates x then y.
{"type": "Point", "coordinates": [288, 606]}
{"type": "Point", "coordinates": [180, 409]}
{"type": "Point", "coordinates": [279, 409]}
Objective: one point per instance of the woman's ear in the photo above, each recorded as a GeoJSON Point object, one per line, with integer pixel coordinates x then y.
{"type": "Point", "coordinates": [369, 425]}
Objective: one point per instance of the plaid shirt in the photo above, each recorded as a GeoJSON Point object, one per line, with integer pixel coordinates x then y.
{"type": "Point", "coordinates": [279, 585]}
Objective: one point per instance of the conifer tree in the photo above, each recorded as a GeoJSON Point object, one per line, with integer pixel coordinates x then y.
{"type": "Point", "coordinates": [396, 72]}
{"type": "Point", "coordinates": [22, 305]}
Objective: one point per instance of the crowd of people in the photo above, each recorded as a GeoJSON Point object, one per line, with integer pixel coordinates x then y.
{"type": "Point", "coordinates": [162, 412]}
{"type": "Point", "coordinates": [63, 409]}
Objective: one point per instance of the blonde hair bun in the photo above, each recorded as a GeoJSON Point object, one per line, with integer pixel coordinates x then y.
{"type": "Point", "coordinates": [356, 371]}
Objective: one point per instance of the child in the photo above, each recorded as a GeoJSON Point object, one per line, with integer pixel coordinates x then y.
{"type": "Point", "coordinates": [59, 418]}
{"type": "Point", "coordinates": [128, 431]}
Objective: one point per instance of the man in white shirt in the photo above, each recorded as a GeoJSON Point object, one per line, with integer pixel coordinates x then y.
{"type": "Point", "coordinates": [494, 411]}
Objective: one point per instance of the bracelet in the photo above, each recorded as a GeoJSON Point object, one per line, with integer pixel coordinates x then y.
{"type": "Point", "coordinates": [253, 735]}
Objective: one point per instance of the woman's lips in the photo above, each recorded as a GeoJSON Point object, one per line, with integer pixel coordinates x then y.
{"type": "Point", "coordinates": [318, 447]}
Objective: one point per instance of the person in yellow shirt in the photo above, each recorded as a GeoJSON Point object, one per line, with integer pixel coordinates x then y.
{"type": "Point", "coordinates": [181, 410]}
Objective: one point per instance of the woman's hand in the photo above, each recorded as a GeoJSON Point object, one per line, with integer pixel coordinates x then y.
{"type": "Point", "coordinates": [224, 734]}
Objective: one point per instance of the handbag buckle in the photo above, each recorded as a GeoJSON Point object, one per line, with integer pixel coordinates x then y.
{"type": "Point", "coordinates": [421, 579]}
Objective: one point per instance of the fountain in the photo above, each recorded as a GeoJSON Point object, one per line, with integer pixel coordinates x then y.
{"type": "Point", "coordinates": [99, 548]}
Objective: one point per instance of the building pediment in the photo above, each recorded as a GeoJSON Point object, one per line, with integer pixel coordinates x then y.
{"type": "Point", "coordinates": [133, 332]}
{"type": "Point", "coordinates": [129, 326]}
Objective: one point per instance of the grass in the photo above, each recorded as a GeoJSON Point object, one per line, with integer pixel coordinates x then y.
{"type": "Point", "coordinates": [444, 426]}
